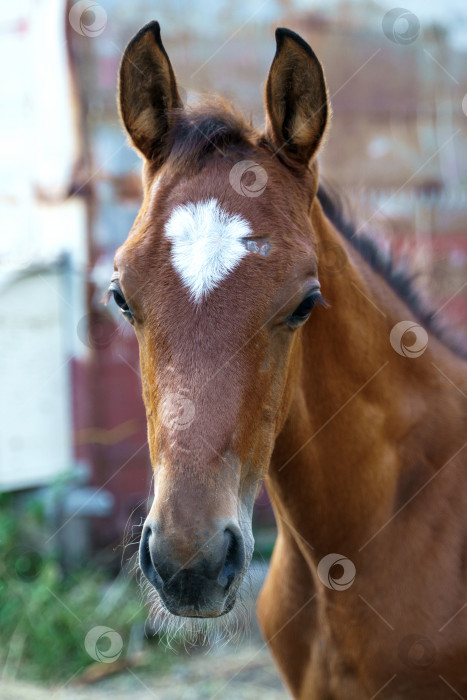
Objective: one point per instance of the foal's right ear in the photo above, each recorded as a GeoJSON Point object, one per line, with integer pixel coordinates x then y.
{"type": "Point", "coordinates": [147, 92]}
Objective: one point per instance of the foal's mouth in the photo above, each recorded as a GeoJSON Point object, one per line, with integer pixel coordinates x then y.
{"type": "Point", "coordinates": [201, 613]}
{"type": "Point", "coordinates": [195, 624]}
{"type": "Point", "coordinates": [196, 597]}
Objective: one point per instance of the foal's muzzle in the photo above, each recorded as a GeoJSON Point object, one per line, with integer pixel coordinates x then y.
{"type": "Point", "coordinates": [196, 578]}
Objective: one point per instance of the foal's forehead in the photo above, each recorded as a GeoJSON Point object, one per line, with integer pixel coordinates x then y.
{"type": "Point", "coordinates": [200, 231]}
{"type": "Point", "coordinates": [211, 224]}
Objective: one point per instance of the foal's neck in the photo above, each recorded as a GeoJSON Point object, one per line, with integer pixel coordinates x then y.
{"type": "Point", "coordinates": [363, 428]}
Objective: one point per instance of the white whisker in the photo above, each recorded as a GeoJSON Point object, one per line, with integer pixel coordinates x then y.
{"type": "Point", "coordinates": [229, 628]}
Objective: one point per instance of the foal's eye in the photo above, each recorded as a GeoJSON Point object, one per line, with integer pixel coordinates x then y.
{"type": "Point", "coordinates": [120, 300]}
{"type": "Point", "coordinates": [303, 310]}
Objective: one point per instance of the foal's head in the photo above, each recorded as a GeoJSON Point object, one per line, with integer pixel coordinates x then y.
{"type": "Point", "coordinates": [217, 276]}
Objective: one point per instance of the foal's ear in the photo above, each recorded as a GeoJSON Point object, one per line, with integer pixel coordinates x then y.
{"type": "Point", "coordinates": [296, 98]}
{"type": "Point", "coordinates": [147, 91]}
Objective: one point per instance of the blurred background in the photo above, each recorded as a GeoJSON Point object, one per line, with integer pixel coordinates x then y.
{"type": "Point", "coordinates": [74, 465]}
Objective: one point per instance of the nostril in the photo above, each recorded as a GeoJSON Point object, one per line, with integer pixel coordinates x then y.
{"type": "Point", "coordinates": [145, 560]}
{"type": "Point", "coordinates": [233, 561]}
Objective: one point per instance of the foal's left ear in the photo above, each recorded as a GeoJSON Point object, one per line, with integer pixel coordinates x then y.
{"type": "Point", "coordinates": [147, 92]}
{"type": "Point", "coordinates": [296, 99]}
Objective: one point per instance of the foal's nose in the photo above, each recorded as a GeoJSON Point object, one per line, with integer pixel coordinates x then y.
{"type": "Point", "coordinates": [193, 577]}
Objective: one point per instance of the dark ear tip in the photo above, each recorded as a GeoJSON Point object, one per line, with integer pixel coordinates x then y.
{"type": "Point", "coordinates": [153, 27]}
{"type": "Point", "coordinates": [282, 33]}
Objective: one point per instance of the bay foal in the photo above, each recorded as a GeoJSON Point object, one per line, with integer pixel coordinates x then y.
{"type": "Point", "coordinates": [357, 427]}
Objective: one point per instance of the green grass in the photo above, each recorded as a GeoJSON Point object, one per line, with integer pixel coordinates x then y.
{"type": "Point", "coordinates": [46, 614]}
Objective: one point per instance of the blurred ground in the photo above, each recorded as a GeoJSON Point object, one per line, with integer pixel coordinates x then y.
{"type": "Point", "coordinates": [228, 673]}
{"type": "Point", "coordinates": [240, 670]}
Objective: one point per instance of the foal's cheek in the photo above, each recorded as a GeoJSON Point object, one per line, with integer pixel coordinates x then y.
{"type": "Point", "coordinates": [149, 384]}
{"type": "Point", "coordinates": [284, 368]}
{"type": "Point", "coordinates": [152, 445]}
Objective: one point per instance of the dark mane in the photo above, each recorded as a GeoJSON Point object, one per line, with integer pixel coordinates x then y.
{"type": "Point", "coordinates": [216, 127]}
{"type": "Point", "coordinates": [396, 274]}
